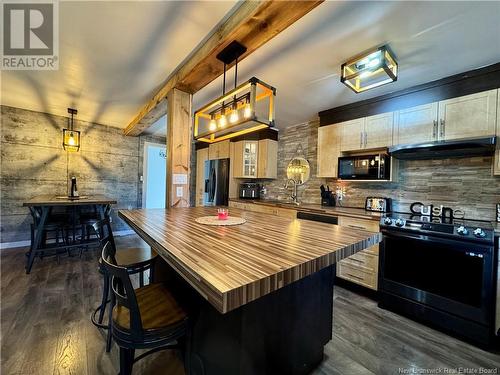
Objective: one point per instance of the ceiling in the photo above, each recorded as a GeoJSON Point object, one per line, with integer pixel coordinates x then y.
{"type": "Point", "coordinates": [430, 39]}
{"type": "Point", "coordinates": [115, 55]}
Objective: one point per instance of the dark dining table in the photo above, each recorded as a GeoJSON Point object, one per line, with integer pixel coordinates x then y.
{"type": "Point", "coordinates": [42, 207]}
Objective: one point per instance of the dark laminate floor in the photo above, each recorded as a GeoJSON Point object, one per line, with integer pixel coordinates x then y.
{"type": "Point", "coordinates": [46, 328]}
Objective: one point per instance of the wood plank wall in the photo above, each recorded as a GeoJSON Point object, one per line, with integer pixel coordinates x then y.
{"type": "Point", "coordinates": [33, 162]}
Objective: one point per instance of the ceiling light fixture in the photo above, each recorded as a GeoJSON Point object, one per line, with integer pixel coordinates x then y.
{"type": "Point", "coordinates": [245, 109]}
{"type": "Point", "coordinates": [71, 137]}
{"type": "Point", "coordinates": [369, 70]}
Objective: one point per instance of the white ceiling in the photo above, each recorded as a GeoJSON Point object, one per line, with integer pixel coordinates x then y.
{"type": "Point", "coordinates": [430, 39]}
{"type": "Point", "coordinates": [114, 55]}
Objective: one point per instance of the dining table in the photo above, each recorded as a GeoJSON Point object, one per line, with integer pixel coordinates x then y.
{"type": "Point", "coordinates": [42, 207]}
{"type": "Point", "coordinates": [260, 291]}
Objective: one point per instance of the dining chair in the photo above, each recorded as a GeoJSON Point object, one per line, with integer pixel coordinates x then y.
{"type": "Point", "coordinates": [134, 260]}
{"type": "Point", "coordinates": [149, 317]}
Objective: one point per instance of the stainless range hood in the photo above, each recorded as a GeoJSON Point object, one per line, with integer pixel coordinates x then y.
{"type": "Point", "coordinates": [445, 149]}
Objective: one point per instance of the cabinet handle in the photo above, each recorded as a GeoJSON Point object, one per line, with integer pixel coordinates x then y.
{"type": "Point", "coordinates": [355, 277]}
{"type": "Point", "coordinates": [358, 260]}
{"type": "Point", "coordinates": [442, 127]}
{"type": "Point", "coordinates": [360, 139]}
{"type": "Point", "coordinates": [366, 138]}
{"type": "Point", "coordinates": [356, 227]}
{"type": "Point", "coordinates": [434, 129]}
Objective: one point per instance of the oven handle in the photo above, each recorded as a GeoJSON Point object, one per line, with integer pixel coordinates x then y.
{"type": "Point", "coordinates": [446, 241]}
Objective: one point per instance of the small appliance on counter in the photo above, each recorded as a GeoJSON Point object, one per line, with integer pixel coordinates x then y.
{"type": "Point", "coordinates": [249, 190]}
{"type": "Point", "coordinates": [378, 204]}
{"type": "Point", "coordinates": [327, 196]}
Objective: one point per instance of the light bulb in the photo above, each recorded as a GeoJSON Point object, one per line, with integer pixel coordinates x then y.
{"type": "Point", "coordinates": [71, 140]}
{"type": "Point", "coordinates": [234, 116]}
{"type": "Point", "coordinates": [212, 125]}
{"type": "Point", "coordinates": [247, 112]}
{"type": "Point", "coordinates": [222, 120]}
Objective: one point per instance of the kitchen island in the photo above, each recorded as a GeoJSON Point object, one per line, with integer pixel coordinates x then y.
{"type": "Point", "coordinates": [261, 292]}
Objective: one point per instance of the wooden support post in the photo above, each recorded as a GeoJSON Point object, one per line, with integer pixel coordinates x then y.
{"type": "Point", "coordinates": [179, 138]}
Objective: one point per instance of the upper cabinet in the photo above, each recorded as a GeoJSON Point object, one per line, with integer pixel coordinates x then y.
{"type": "Point", "coordinates": [416, 124]}
{"type": "Point", "coordinates": [378, 130]}
{"type": "Point", "coordinates": [352, 134]}
{"type": "Point", "coordinates": [468, 116]}
{"type": "Point", "coordinates": [367, 133]}
{"type": "Point", "coordinates": [255, 159]}
{"type": "Point", "coordinates": [218, 150]}
{"type": "Point", "coordinates": [328, 150]}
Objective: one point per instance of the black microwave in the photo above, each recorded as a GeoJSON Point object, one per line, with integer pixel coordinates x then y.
{"type": "Point", "coordinates": [365, 167]}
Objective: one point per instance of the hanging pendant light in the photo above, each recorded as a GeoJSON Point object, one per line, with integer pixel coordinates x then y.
{"type": "Point", "coordinates": [245, 109]}
{"type": "Point", "coordinates": [71, 137]}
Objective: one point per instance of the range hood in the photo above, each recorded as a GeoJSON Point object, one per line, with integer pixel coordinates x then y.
{"type": "Point", "coordinates": [445, 149]}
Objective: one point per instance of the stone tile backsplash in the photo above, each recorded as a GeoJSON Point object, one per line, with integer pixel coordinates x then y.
{"type": "Point", "coordinates": [461, 183]}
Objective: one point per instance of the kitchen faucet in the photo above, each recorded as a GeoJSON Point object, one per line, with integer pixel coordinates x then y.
{"type": "Point", "coordinates": [294, 194]}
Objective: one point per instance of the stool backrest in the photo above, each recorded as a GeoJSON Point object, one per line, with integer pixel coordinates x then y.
{"type": "Point", "coordinates": [104, 233]}
{"type": "Point", "coordinates": [123, 291]}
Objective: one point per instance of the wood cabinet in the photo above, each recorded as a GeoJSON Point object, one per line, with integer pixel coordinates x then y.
{"type": "Point", "coordinates": [255, 159]}
{"type": "Point", "coordinates": [328, 150]}
{"type": "Point", "coordinates": [271, 210]}
{"type": "Point", "coordinates": [468, 116]}
{"type": "Point", "coordinates": [201, 158]}
{"type": "Point", "coordinates": [378, 130]}
{"type": "Point", "coordinates": [219, 150]}
{"type": "Point", "coordinates": [496, 159]}
{"type": "Point", "coordinates": [416, 125]}
{"type": "Point", "coordinates": [362, 267]}
{"type": "Point", "coordinates": [267, 159]}
{"type": "Point", "coordinates": [352, 134]}
{"type": "Point", "coordinates": [367, 133]}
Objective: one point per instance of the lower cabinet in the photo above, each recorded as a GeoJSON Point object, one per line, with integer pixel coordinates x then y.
{"type": "Point", "coordinates": [272, 210]}
{"type": "Point", "coordinates": [362, 267]}
{"type": "Point", "coordinates": [201, 158]}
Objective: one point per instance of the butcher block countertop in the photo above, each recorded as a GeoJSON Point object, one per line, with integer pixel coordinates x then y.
{"type": "Point", "coordinates": [359, 213]}
{"type": "Point", "coordinates": [233, 265]}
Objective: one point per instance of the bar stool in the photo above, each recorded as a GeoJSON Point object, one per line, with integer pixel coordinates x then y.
{"type": "Point", "coordinates": [134, 260]}
{"type": "Point", "coordinates": [145, 318]}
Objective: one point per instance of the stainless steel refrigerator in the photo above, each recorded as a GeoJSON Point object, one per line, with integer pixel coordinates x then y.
{"type": "Point", "coordinates": [216, 182]}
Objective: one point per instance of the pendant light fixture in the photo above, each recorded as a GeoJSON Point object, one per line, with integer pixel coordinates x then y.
{"type": "Point", "coordinates": [245, 109]}
{"type": "Point", "coordinates": [71, 137]}
{"type": "Point", "coordinates": [369, 70]}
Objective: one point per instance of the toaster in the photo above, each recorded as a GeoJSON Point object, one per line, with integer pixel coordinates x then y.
{"type": "Point", "coordinates": [249, 190]}
{"type": "Point", "coordinates": [378, 204]}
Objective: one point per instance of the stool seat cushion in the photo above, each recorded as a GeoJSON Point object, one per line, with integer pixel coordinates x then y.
{"type": "Point", "coordinates": [158, 308]}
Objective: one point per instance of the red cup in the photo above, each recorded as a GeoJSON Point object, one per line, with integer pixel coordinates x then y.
{"type": "Point", "coordinates": [222, 213]}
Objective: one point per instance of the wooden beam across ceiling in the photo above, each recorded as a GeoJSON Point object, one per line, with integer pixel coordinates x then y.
{"type": "Point", "coordinates": [252, 24]}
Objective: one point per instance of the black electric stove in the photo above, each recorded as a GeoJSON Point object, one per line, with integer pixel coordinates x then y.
{"type": "Point", "coordinates": [440, 271]}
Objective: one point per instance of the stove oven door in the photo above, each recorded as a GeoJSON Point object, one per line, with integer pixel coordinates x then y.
{"type": "Point", "coordinates": [456, 277]}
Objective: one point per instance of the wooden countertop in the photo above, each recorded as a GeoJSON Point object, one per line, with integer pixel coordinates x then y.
{"type": "Point", "coordinates": [359, 213]}
{"type": "Point", "coordinates": [53, 200]}
{"type": "Point", "coordinates": [231, 266]}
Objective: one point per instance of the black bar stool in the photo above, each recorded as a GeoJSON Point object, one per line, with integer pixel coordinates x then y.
{"type": "Point", "coordinates": [145, 318]}
{"type": "Point", "coordinates": [134, 260]}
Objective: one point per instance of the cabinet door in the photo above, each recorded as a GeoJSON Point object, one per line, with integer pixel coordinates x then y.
{"type": "Point", "coordinates": [201, 157]}
{"type": "Point", "coordinates": [237, 160]}
{"type": "Point", "coordinates": [352, 134]}
{"type": "Point", "coordinates": [496, 159]}
{"type": "Point", "coordinates": [328, 150]}
{"type": "Point", "coordinates": [468, 116]}
{"type": "Point", "coordinates": [378, 130]}
{"type": "Point", "coordinates": [416, 124]}
{"type": "Point", "coordinates": [223, 152]}
{"type": "Point", "coordinates": [267, 160]}
{"type": "Point", "coordinates": [250, 154]}
{"type": "Point", "coordinates": [213, 151]}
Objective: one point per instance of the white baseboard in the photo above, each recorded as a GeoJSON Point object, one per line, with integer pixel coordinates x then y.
{"type": "Point", "coordinates": [12, 245]}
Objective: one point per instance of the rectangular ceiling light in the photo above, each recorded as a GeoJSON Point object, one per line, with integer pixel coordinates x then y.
{"type": "Point", "coordinates": [369, 70]}
{"type": "Point", "coordinates": [245, 109]}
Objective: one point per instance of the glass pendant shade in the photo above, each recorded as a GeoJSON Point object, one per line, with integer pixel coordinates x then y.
{"type": "Point", "coordinates": [71, 140]}
{"type": "Point", "coordinates": [369, 70]}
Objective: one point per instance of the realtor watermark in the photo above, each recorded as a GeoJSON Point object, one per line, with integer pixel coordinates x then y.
{"type": "Point", "coordinates": [30, 35]}
{"type": "Point", "coordinates": [446, 370]}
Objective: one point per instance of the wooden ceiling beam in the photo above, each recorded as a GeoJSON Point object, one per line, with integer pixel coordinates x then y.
{"type": "Point", "coordinates": [252, 24]}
